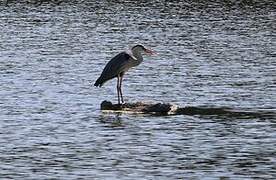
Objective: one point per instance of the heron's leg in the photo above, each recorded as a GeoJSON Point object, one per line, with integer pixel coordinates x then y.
{"type": "Point", "coordinates": [118, 88]}
{"type": "Point", "coordinates": [121, 93]}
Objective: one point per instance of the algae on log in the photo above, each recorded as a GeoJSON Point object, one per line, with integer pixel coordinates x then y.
{"type": "Point", "coordinates": [170, 109]}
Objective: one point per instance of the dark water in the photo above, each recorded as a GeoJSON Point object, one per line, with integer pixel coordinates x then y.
{"type": "Point", "coordinates": [211, 54]}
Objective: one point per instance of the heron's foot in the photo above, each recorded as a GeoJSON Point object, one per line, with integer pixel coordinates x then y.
{"type": "Point", "coordinates": [121, 104]}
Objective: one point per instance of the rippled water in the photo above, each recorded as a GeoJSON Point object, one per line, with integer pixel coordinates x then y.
{"type": "Point", "coordinates": [209, 54]}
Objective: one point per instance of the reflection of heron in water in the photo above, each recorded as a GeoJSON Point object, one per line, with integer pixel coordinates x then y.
{"type": "Point", "coordinates": [5, 2]}
{"type": "Point", "coordinates": [121, 63]}
{"type": "Point", "coordinates": [114, 121]}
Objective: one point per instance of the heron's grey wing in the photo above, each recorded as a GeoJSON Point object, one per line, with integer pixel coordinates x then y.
{"type": "Point", "coordinates": [114, 67]}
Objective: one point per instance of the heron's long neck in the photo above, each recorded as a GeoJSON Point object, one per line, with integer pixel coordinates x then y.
{"type": "Point", "coordinates": [137, 55]}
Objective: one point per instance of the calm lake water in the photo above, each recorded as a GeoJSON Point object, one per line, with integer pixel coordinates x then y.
{"type": "Point", "coordinates": [209, 54]}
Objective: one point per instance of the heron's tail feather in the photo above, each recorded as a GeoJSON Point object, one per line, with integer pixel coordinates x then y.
{"type": "Point", "coordinates": [100, 81]}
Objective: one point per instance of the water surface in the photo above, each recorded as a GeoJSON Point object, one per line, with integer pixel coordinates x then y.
{"type": "Point", "coordinates": [209, 54]}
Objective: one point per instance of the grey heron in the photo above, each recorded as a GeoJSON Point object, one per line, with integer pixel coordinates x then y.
{"type": "Point", "coordinates": [118, 66]}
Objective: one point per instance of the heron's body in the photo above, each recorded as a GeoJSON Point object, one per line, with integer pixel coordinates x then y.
{"type": "Point", "coordinates": [118, 65]}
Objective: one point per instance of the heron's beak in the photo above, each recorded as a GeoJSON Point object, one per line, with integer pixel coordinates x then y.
{"type": "Point", "coordinates": [150, 52]}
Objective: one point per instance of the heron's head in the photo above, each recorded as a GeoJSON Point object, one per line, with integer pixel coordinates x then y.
{"type": "Point", "coordinates": [141, 48]}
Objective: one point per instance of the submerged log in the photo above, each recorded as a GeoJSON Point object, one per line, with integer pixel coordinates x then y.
{"type": "Point", "coordinates": [171, 109]}
{"type": "Point", "coordinates": [140, 107]}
